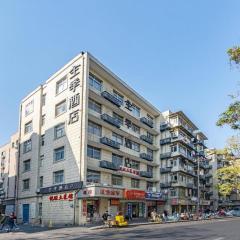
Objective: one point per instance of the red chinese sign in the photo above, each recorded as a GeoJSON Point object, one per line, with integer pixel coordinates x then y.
{"type": "Point", "coordinates": [61, 197]}
{"type": "Point", "coordinates": [134, 195]}
{"type": "Point", "coordinates": [109, 192]}
{"type": "Point", "coordinates": [129, 170]}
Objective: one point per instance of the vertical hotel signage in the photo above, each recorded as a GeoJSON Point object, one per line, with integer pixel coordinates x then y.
{"type": "Point", "coordinates": [74, 100]}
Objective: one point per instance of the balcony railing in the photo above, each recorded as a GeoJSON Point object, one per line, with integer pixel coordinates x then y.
{"type": "Point", "coordinates": [165, 141]}
{"type": "Point", "coordinates": [165, 185]}
{"type": "Point", "coordinates": [146, 139]}
{"type": "Point", "coordinates": [111, 98]}
{"type": "Point", "coordinates": [147, 122]}
{"type": "Point", "coordinates": [108, 165]}
{"type": "Point", "coordinates": [190, 185]}
{"type": "Point", "coordinates": [165, 126]}
{"type": "Point", "coordinates": [113, 121]}
{"type": "Point", "coordinates": [146, 156]}
{"type": "Point", "coordinates": [165, 155]}
{"type": "Point", "coordinates": [208, 184]}
{"type": "Point", "coordinates": [146, 174]}
{"type": "Point", "coordinates": [109, 142]}
{"type": "Point", "coordinates": [165, 170]}
{"type": "Point", "coordinates": [208, 175]}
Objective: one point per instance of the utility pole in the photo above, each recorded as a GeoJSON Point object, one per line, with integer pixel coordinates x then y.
{"type": "Point", "coordinates": [198, 192]}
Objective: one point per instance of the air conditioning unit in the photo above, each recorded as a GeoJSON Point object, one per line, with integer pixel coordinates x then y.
{"type": "Point", "coordinates": [38, 190]}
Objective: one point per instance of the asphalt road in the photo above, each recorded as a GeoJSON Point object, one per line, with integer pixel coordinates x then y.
{"type": "Point", "coordinates": [224, 229]}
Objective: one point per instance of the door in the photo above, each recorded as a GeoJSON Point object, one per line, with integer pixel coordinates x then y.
{"type": "Point", "coordinates": [25, 210]}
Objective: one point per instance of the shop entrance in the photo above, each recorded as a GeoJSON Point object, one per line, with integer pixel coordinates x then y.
{"type": "Point", "coordinates": [135, 210]}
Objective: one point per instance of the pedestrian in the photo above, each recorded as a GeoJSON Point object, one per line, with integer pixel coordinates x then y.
{"type": "Point", "coordinates": [4, 221]}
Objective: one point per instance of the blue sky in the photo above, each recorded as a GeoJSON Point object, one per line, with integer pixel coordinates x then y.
{"type": "Point", "coordinates": [172, 52]}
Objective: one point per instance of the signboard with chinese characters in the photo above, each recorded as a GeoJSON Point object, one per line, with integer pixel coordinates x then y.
{"type": "Point", "coordinates": [96, 191]}
{"type": "Point", "coordinates": [129, 170]}
{"type": "Point", "coordinates": [62, 188]}
{"type": "Point", "coordinates": [61, 197]}
{"type": "Point", "coordinates": [74, 100]}
{"type": "Point", "coordinates": [134, 194]}
{"type": "Point", "coordinates": [154, 196]}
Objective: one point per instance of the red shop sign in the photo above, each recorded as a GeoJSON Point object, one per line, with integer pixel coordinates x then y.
{"type": "Point", "coordinates": [134, 195]}
{"type": "Point", "coordinates": [61, 197]}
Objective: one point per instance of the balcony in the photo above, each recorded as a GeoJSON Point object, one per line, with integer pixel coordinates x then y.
{"type": "Point", "coordinates": [108, 165]}
{"type": "Point", "coordinates": [165, 155]}
{"type": "Point", "coordinates": [165, 170]}
{"type": "Point", "coordinates": [111, 120]}
{"type": "Point", "coordinates": [111, 98]}
{"type": "Point", "coordinates": [165, 185]}
{"type": "Point", "coordinates": [165, 141]}
{"type": "Point", "coordinates": [146, 139]}
{"type": "Point", "coordinates": [109, 142]}
{"type": "Point", "coordinates": [190, 185]}
{"type": "Point", "coordinates": [165, 126]}
{"type": "Point", "coordinates": [147, 122]}
{"type": "Point", "coordinates": [146, 156]}
{"type": "Point", "coordinates": [208, 166]}
{"type": "Point", "coordinates": [208, 175]}
{"type": "Point", "coordinates": [202, 177]}
{"type": "Point", "coordinates": [146, 174]}
{"type": "Point", "coordinates": [208, 185]}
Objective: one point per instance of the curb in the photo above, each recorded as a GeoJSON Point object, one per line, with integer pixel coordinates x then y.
{"type": "Point", "coordinates": [168, 222]}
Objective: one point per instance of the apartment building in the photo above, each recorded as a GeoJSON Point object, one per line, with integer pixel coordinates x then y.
{"type": "Point", "coordinates": [88, 143]}
{"type": "Point", "coordinates": [183, 163]}
{"type": "Point", "coordinates": [8, 174]}
{"type": "Point", "coordinates": [217, 160]}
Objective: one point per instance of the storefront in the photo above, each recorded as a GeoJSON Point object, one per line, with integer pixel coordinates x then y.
{"type": "Point", "coordinates": [183, 205]}
{"type": "Point", "coordinates": [134, 203]}
{"type": "Point", "coordinates": [155, 201]}
{"type": "Point", "coordinates": [57, 204]}
{"type": "Point", "coordinates": [98, 199]}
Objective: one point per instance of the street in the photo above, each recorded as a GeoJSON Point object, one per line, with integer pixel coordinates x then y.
{"type": "Point", "coordinates": [222, 229]}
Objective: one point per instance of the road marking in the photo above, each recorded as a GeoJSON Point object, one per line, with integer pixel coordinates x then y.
{"type": "Point", "coordinates": [220, 238]}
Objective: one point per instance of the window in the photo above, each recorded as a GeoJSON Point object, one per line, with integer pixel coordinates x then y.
{"type": "Point", "coordinates": [29, 108]}
{"type": "Point", "coordinates": [58, 177]}
{"type": "Point", "coordinates": [41, 182]}
{"type": "Point", "coordinates": [26, 184]}
{"type": "Point", "coordinates": [13, 144]}
{"type": "Point", "coordinates": [149, 135]}
{"type": "Point", "coordinates": [118, 96]}
{"type": "Point", "coordinates": [95, 83]}
{"type": "Point", "coordinates": [118, 117]}
{"type": "Point", "coordinates": [93, 152]}
{"type": "Point", "coordinates": [149, 169]}
{"type": "Point", "coordinates": [117, 160]}
{"type": "Point", "coordinates": [135, 110]}
{"type": "Point", "coordinates": [28, 127]}
{"type": "Point", "coordinates": [43, 99]}
{"type": "Point", "coordinates": [93, 176]}
{"type": "Point", "coordinates": [94, 128]}
{"type": "Point", "coordinates": [26, 165]}
{"type": "Point", "coordinates": [43, 140]}
{"type": "Point", "coordinates": [27, 146]}
{"type": "Point", "coordinates": [173, 193]}
{"type": "Point", "coordinates": [97, 107]}
{"type": "Point", "coordinates": [117, 138]}
{"type": "Point", "coordinates": [135, 183]}
{"type": "Point", "coordinates": [59, 154]}
{"type": "Point", "coordinates": [41, 160]}
{"type": "Point", "coordinates": [135, 146]}
{"type": "Point", "coordinates": [61, 85]}
{"type": "Point", "coordinates": [59, 131]}
{"type": "Point", "coordinates": [40, 209]}
{"type": "Point", "coordinates": [174, 148]}
{"type": "Point", "coordinates": [135, 128]}
{"type": "Point", "coordinates": [43, 119]}
{"type": "Point", "coordinates": [132, 164]}
{"type": "Point", "coordinates": [150, 152]}
{"type": "Point", "coordinates": [116, 180]}
{"type": "Point", "coordinates": [60, 108]}
{"type": "Point", "coordinates": [149, 186]}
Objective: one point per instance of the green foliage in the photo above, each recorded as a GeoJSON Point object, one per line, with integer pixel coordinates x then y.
{"type": "Point", "coordinates": [228, 179]}
{"type": "Point", "coordinates": [234, 54]}
{"type": "Point", "coordinates": [231, 116]}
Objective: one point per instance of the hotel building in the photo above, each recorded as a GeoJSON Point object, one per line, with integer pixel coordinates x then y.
{"type": "Point", "coordinates": [90, 143]}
